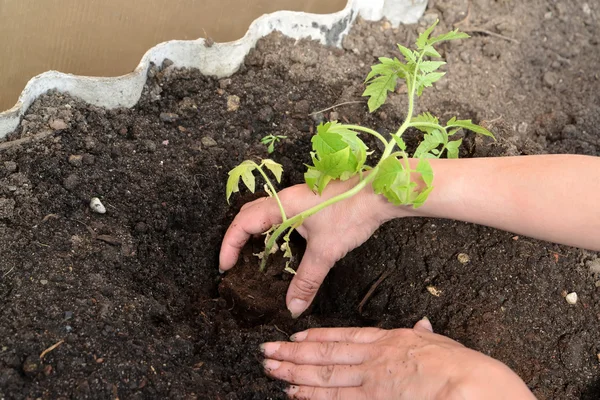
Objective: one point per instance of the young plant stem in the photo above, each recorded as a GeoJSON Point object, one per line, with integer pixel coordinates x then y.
{"type": "Point", "coordinates": [273, 192]}
{"type": "Point", "coordinates": [298, 219]}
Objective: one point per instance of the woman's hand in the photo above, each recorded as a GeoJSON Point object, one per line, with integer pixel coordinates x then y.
{"type": "Point", "coordinates": [376, 364]}
{"type": "Point", "coordinates": [330, 234]}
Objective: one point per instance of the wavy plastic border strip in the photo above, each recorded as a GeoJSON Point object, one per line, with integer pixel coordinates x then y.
{"type": "Point", "coordinates": [220, 59]}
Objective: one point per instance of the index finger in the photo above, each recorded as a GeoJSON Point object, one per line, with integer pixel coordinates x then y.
{"type": "Point", "coordinates": [251, 220]}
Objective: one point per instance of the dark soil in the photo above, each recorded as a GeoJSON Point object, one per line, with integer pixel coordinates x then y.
{"type": "Point", "coordinates": [134, 296]}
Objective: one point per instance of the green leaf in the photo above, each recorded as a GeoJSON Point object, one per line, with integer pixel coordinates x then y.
{"type": "Point", "coordinates": [430, 141]}
{"type": "Point", "coordinates": [424, 168]}
{"type": "Point", "coordinates": [393, 181]}
{"type": "Point", "coordinates": [400, 142]}
{"type": "Point", "coordinates": [423, 39]}
{"type": "Point", "coordinates": [422, 197]}
{"type": "Point", "coordinates": [335, 164]}
{"type": "Point", "coordinates": [428, 118]}
{"type": "Point", "coordinates": [350, 137]}
{"type": "Point", "coordinates": [338, 154]}
{"type": "Point", "coordinates": [271, 147]}
{"type": "Point", "coordinates": [243, 171]}
{"type": "Point", "coordinates": [408, 54]}
{"type": "Point", "coordinates": [430, 66]}
{"type": "Point", "coordinates": [453, 148]}
{"type": "Point", "coordinates": [382, 79]}
{"type": "Point", "coordinates": [275, 168]}
{"type": "Point", "coordinates": [428, 81]}
{"type": "Point", "coordinates": [467, 124]}
{"type": "Point", "coordinates": [452, 35]}
{"type": "Point", "coordinates": [430, 51]}
{"type": "Point", "coordinates": [316, 180]}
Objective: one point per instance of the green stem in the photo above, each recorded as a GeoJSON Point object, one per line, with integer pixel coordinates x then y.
{"type": "Point", "coordinates": [273, 191]}
{"type": "Point", "coordinates": [298, 219]}
{"type": "Point", "coordinates": [369, 131]}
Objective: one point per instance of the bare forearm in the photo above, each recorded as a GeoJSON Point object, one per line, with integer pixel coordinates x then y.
{"type": "Point", "coordinates": [549, 197]}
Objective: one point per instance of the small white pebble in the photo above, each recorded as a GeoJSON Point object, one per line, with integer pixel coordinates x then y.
{"type": "Point", "coordinates": [44, 282]}
{"type": "Point", "coordinates": [97, 206]}
{"type": "Point", "coordinates": [571, 298]}
{"type": "Point", "coordinates": [463, 258]}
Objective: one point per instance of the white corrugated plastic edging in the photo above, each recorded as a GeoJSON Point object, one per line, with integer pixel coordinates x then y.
{"type": "Point", "coordinates": [220, 59]}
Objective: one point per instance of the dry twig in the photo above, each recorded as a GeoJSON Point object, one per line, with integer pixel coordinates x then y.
{"type": "Point", "coordinates": [49, 349]}
{"type": "Point", "coordinates": [382, 278]}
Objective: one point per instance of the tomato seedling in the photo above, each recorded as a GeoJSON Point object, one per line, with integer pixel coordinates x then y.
{"type": "Point", "coordinates": [270, 141]}
{"type": "Point", "coordinates": [339, 153]}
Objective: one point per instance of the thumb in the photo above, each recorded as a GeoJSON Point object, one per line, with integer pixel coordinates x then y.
{"type": "Point", "coordinates": [423, 325]}
{"type": "Point", "coordinates": [313, 269]}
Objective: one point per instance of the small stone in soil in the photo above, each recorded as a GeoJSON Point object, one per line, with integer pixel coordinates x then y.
{"type": "Point", "coordinates": [58, 125]}
{"type": "Point", "coordinates": [71, 182]}
{"type": "Point", "coordinates": [31, 366]}
{"type": "Point", "coordinates": [10, 166]}
{"type": "Point", "coordinates": [168, 117]}
{"type": "Point", "coordinates": [463, 258]}
{"type": "Point", "coordinates": [233, 103]}
{"type": "Point", "coordinates": [571, 298]}
{"type": "Point", "coordinates": [224, 83]}
{"type": "Point", "coordinates": [149, 145]}
{"type": "Point", "coordinates": [43, 281]}
{"type": "Point", "coordinates": [207, 141]}
{"type": "Point", "coordinates": [97, 206]}
{"type": "Point", "coordinates": [551, 78]}
{"type": "Point", "coordinates": [76, 160]}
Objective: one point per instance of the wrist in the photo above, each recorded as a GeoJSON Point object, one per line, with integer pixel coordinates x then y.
{"type": "Point", "coordinates": [483, 377]}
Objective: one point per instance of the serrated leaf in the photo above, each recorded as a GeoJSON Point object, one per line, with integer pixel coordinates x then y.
{"type": "Point", "coordinates": [430, 66]}
{"type": "Point", "coordinates": [430, 51]}
{"type": "Point", "coordinates": [452, 35]}
{"type": "Point", "coordinates": [428, 118]}
{"type": "Point", "coordinates": [424, 168]}
{"type": "Point", "coordinates": [335, 164]}
{"type": "Point", "coordinates": [428, 81]}
{"type": "Point", "coordinates": [275, 168]}
{"type": "Point", "coordinates": [243, 171]}
{"type": "Point", "coordinates": [408, 54]}
{"type": "Point", "coordinates": [467, 124]}
{"type": "Point", "coordinates": [422, 197]}
{"type": "Point", "coordinates": [400, 142]}
{"type": "Point", "coordinates": [453, 148]}
{"type": "Point", "coordinates": [377, 90]}
{"type": "Point", "coordinates": [382, 79]}
{"type": "Point", "coordinates": [424, 37]}
{"type": "Point", "coordinates": [316, 180]}
{"type": "Point", "coordinates": [393, 181]}
{"type": "Point", "coordinates": [430, 141]}
{"type": "Point", "coordinates": [453, 131]}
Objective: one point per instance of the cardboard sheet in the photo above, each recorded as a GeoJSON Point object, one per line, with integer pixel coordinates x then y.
{"type": "Point", "coordinates": [109, 37]}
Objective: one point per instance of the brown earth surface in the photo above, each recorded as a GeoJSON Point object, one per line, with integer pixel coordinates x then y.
{"type": "Point", "coordinates": [133, 298]}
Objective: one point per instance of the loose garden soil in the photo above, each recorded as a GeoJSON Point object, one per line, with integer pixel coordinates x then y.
{"type": "Point", "coordinates": [133, 298]}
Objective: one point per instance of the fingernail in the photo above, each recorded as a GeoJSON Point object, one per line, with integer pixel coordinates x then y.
{"type": "Point", "coordinates": [292, 390]}
{"type": "Point", "coordinates": [268, 349]}
{"type": "Point", "coordinates": [299, 336]}
{"type": "Point", "coordinates": [271, 365]}
{"type": "Point", "coordinates": [221, 271]}
{"type": "Point", "coordinates": [297, 307]}
{"type": "Point", "coordinates": [425, 318]}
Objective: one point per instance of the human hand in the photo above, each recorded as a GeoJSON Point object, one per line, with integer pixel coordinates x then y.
{"type": "Point", "coordinates": [377, 364]}
{"type": "Point", "coordinates": [330, 234]}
